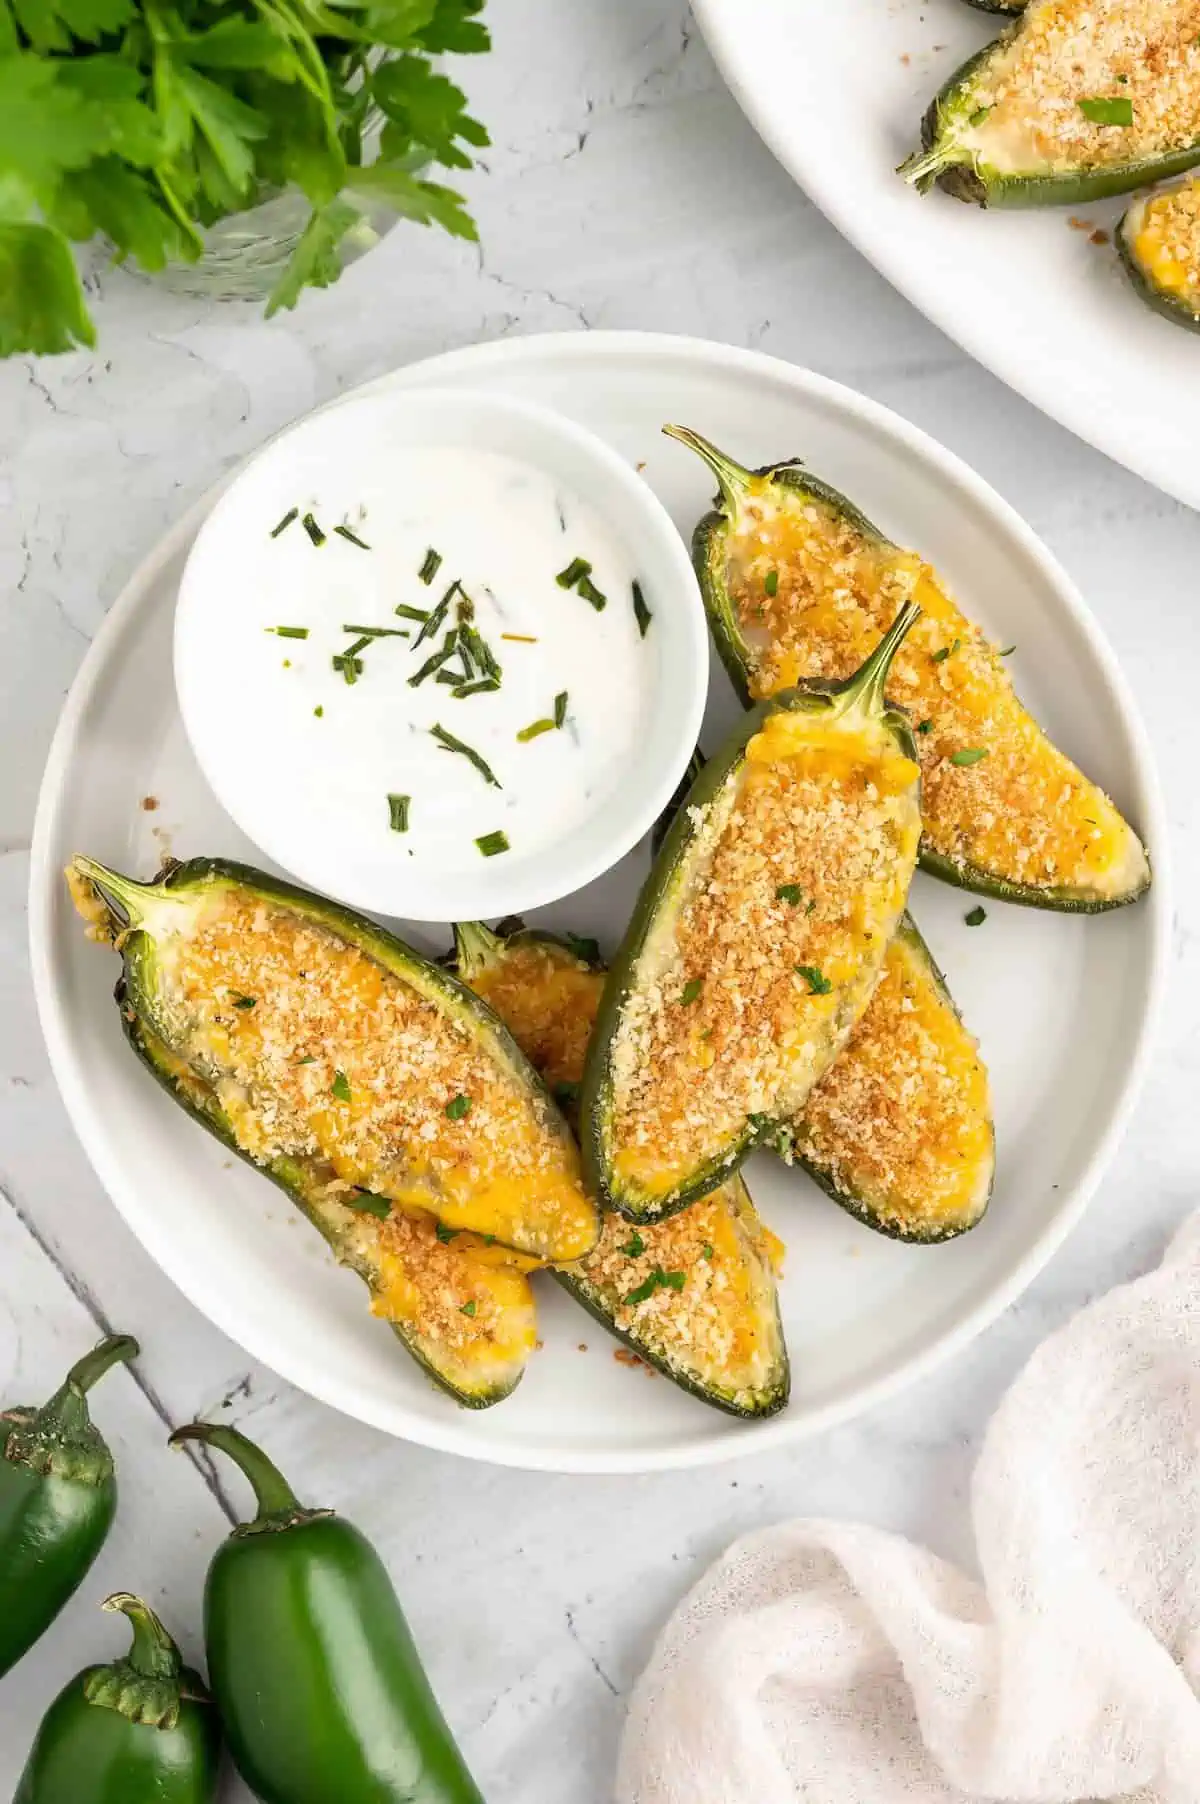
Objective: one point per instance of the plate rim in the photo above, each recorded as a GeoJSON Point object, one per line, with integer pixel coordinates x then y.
{"type": "Point", "coordinates": [728, 1441]}
{"type": "Point", "coordinates": [718, 27]}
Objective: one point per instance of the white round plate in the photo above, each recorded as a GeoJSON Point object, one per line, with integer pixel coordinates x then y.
{"type": "Point", "coordinates": [837, 92]}
{"type": "Point", "coordinates": [1062, 1006]}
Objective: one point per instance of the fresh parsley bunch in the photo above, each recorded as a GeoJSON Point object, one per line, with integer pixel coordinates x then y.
{"type": "Point", "coordinates": [144, 120]}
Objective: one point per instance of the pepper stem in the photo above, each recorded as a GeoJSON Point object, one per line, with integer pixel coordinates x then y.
{"type": "Point", "coordinates": [60, 1438]}
{"type": "Point", "coordinates": [923, 167]}
{"type": "Point", "coordinates": [863, 692]}
{"type": "Point", "coordinates": [277, 1503]}
{"type": "Point", "coordinates": [153, 1655]}
{"type": "Point", "coordinates": [733, 479]}
{"type": "Point", "coordinates": [475, 946]}
{"type": "Point", "coordinates": [124, 897]}
{"type": "Point", "coordinates": [146, 1684]}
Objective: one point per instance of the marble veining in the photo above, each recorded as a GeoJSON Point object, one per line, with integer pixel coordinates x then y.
{"type": "Point", "coordinates": [623, 189]}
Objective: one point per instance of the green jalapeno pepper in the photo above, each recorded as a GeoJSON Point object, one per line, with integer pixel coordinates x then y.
{"type": "Point", "coordinates": [318, 1683]}
{"type": "Point", "coordinates": [58, 1494]}
{"type": "Point", "coordinates": [141, 1730]}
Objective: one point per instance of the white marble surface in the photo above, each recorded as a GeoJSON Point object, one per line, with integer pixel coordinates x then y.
{"type": "Point", "coordinates": [623, 190]}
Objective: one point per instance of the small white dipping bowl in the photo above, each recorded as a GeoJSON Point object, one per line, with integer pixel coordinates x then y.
{"type": "Point", "coordinates": [305, 763]}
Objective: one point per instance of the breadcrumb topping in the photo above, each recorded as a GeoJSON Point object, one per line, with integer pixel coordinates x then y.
{"type": "Point", "coordinates": [747, 990]}
{"type": "Point", "coordinates": [902, 1121]}
{"type": "Point", "coordinates": [1068, 52]}
{"type": "Point", "coordinates": [317, 1050]}
{"type": "Point", "coordinates": [468, 1318]}
{"type": "Point", "coordinates": [996, 793]}
{"type": "Point", "coordinates": [1165, 240]}
{"type": "Point", "coordinates": [697, 1288]}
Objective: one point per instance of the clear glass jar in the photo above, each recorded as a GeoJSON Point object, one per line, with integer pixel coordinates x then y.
{"type": "Point", "coordinates": [245, 254]}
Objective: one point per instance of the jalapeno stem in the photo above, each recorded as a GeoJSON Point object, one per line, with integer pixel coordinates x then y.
{"type": "Point", "coordinates": [864, 692]}
{"type": "Point", "coordinates": [474, 947]}
{"type": "Point", "coordinates": [733, 478]}
{"type": "Point", "coordinates": [277, 1503]}
{"type": "Point", "coordinates": [153, 1655]}
{"type": "Point", "coordinates": [64, 1416]}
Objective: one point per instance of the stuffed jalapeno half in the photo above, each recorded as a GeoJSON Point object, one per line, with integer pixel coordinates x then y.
{"type": "Point", "coordinates": [1159, 242]}
{"type": "Point", "coordinates": [899, 1130]}
{"type": "Point", "coordinates": [798, 582]}
{"type": "Point", "coordinates": [756, 942]}
{"type": "Point", "coordinates": [468, 1320]}
{"type": "Point", "coordinates": [323, 1036]}
{"type": "Point", "coordinates": [693, 1296]}
{"type": "Point", "coordinates": [1075, 100]}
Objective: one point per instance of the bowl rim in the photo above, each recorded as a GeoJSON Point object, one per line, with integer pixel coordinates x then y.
{"type": "Point", "coordinates": [726, 1441]}
{"type": "Point", "coordinates": [675, 699]}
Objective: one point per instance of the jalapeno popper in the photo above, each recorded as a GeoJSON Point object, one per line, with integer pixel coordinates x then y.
{"type": "Point", "coordinates": [1159, 242]}
{"type": "Point", "coordinates": [899, 1130]}
{"type": "Point", "coordinates": [757, 940]}
{"type": "Point", "coordinates": [797, 582]}
{"type": "Point", "coordinates": [1076, 100]}
{"type": "Point", "coordinates": [390, 1102]}
{"type": "Point", "coordinates": [694, 1295]}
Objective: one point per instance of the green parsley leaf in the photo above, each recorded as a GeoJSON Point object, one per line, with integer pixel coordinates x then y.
{"type": "Point", "coordinates": [444, 1234]}
{"type": "Point", "coordinates": [924, 726]}
{"type": "Point", "coordinates": [566, 1094]}
{"type": "Point", "coordinates": [41, 299]}
{"type": "Point", "coordinates": [367, 1203]}
{"type": "Point", "coordinates": [771, 582]}
{"type": "Point", "coordinates": [789, 892]}
{"type": "Point", "coordinates": [634, 1247]}
{"type": "Point", "coordinates": [245, 1002]}
{"type": "Point", "coordinates": [707, 1249]}
{"type": "Point", "coordinates": [691, 991]}
{"type": "Point", "coordinates": [1105, 110]}
{"type": "Point", "coordinates": [818, 983]}
{"type": "Point", "coordinates": [583, 947]}
{"type": "Point", "coordinates": [658, 1280]}
{"type": "Point", "coordinates": [469, 1308]}
{"type": "Point", "coordinates": [459, 1106]}
{"type": "Point", "coordinates": [970, 754]}
{"type": "Point", "coordinates": [946, 651]}
{"type": "Point", "coordinates": [340, 1086]}
{"type": "Point", "coordinates": [976, 917]}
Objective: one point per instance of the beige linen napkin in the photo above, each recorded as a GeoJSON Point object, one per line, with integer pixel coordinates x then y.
{"type": "Point", "coordinates": [832, 1663]}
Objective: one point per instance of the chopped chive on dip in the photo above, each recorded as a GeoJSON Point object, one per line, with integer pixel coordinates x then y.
{"type": "Point", "coordinates": [449, 743]}
{"type": "Point", "coordinates": [590, 593]}
{"type": "Point", "coordinates": [789, 892]}
{"type": "Point", "coordinates": [346, 532]}
{"type": "Point", "coordinates": [398, 813]}
{"type": "Point", "coordinates": [351, 668]}
{"type": "Point", "coordinates": [691, 991]}
{"type": "Point", "coordinates": [577, 568]}
{"type": "Point", "coordinates": [641, 612]}
{"type": "Point", "coordinates": [430, 566]}
{"type": "Point", "coordinates": [377, 632]}
{"type": "Point", "coordinates": [975, 917]}
{"type": "Point", "coordinates": [313, 530]}
{"type": "Point", "coordinates": [484, 686]}
{"type": "Point", "coordinates": [535, 729]}
{"type": "Point", "coordinates": [340, 1087]}
{"type": "Point", "coordinates": [771, 582]}
{"type": "Point", "coordinates": [289, 632]}
{"type": "Point", "coordinates": [293, 513]}
{"type": "Point", "coordinates": [818, 983]}
{"type": "Point", "coordinates": [469, 1308]}
{"type": "Point", "coordinates": [560, 708]}
{"type": "Point", "coordinates": [407, 613]}
{"type": "Point", "coordinates": [492, 843]}
{"type": "Point", "coordinates": [458, 1107]}
{"type": "Point", "coordinates": [970, 754]}
{"type": "Point", "coordinates": [1116, 109]}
